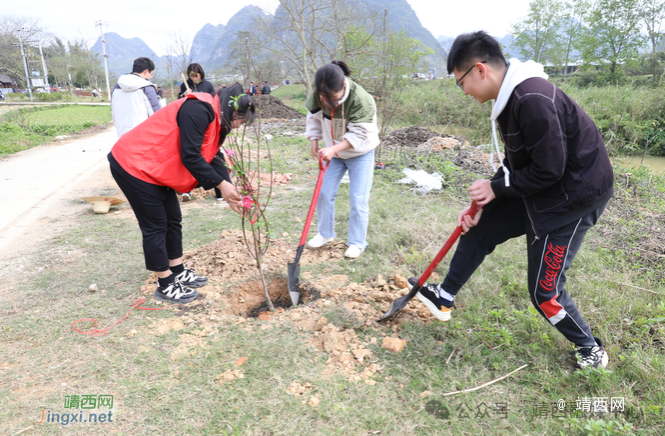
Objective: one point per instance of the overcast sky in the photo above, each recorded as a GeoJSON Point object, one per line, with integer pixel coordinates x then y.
{"type": "Point", "coordinates": [154, 22]}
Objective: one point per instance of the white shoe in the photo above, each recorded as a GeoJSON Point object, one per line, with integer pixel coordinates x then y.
{"type": "Point", "coordinates": [186, 196]}
{"type": "Point", "coordinates": [318, 241]}
{"type": "Point", "coordinates": [352, 252]}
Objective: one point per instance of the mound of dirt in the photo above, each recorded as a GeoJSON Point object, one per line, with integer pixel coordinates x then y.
{"type": "Point", "coordinates": [272, 107]}
{"type": "Point", "coordinates": [408, 136]}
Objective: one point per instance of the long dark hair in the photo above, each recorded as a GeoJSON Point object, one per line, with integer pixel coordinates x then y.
{"type": "Point", "coordinates": [330, 78]}
{"type": "Point", "coordinates": [230, 103]}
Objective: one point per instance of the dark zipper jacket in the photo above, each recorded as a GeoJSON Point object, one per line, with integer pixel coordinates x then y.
{"type": "Point", "coordinates": [202, 86]}
{"type": "Point", "coordinates": [555, 154]}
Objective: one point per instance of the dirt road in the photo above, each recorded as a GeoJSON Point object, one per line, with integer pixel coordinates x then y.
{"type": "Point", "coordinates": [36, 183]}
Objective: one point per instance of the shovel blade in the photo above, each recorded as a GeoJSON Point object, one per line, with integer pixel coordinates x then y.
{"type": "Point", "coordinates": [293, 274]}
{"type": "Point", "coordinates": [400, 303]}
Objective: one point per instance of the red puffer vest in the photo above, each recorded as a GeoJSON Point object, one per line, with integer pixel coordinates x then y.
{"type": "Point", "coordinates": [151, 151]}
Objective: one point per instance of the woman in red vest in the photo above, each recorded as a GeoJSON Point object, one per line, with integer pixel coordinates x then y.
{"type": "Point", "coordinates": [176, 150]}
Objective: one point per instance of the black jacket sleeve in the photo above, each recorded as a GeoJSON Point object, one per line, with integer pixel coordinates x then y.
{"type": "Point", "coordinates": [193, 118]}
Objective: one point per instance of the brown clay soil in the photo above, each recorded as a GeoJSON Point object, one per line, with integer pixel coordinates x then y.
{"type": "Point", "coordinates": [272, 107]}
{"type": "Point", "coordinates": [355, 304]}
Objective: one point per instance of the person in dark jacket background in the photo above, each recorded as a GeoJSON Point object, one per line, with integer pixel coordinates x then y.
{"type": "Point", "coordinates": [552, 186]}
{"type": "Point", "coordinates": [266, 88]}
{"type": "Point", "coordinates": [197, 81]}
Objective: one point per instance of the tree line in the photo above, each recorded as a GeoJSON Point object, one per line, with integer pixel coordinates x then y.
{"type": "Point", "coordinates": [614, 38]}
{"type": "Point", "coordinates": [63, 59]}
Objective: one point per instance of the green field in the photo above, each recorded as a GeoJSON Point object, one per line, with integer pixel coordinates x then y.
{"type": "Point", "coordinates": [21, 129]}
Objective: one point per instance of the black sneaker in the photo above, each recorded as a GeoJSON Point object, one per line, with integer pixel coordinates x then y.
{"type": "Point", "coordinates": [591, 357]}
{"type": "Point", "coordinates": [176, 292]}
{"type": "Point", "coordinates": [429, 294]}
{"type": "Point", "coordinates": [189, 278]}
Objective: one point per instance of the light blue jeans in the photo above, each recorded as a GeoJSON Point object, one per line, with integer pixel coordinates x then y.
{"type": "Point", "coordinates": [361, 173]}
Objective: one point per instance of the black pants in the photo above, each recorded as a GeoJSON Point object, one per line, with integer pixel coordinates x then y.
{"type": "Point", "coordinates": [158, 211]}
{"type": "Point", "coordinates": [548, 260]}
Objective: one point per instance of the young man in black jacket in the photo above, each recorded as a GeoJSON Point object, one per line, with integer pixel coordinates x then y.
{"type": "Point", "coordinates": [553, 184]}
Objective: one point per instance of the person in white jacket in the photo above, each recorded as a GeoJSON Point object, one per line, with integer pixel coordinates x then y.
{"type": "Point", "coordinates": [343, 115]}
{"type": "Point", "coordinates": [134, 97]}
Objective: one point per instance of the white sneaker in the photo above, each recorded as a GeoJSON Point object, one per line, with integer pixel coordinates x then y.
{"type": "Point", "coordinates": [186, 196]}
{"type": "Point", "coordinates": [352, 252]}
{"type": "Point", "coordinates": [318, 241]}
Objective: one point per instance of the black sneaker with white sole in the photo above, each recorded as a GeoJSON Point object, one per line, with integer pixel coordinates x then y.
{"type": "Point", "coordinates": [591, 357]}
{"type": "Point", "coordinates": [189, 278]}
{"type": "Point", "coordinates": [429, 294]}
{"type": "Point", "coordinates": [176, 292]}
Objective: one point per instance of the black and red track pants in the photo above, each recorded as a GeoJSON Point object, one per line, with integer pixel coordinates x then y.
{"type": "Point", "coordinates": [548, 260]}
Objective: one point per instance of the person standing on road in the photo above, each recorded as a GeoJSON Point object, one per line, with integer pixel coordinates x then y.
{"type": "Point", "coordinates": [134, 97]}
{"type": "Point", "coordinates": [343, 115]}
{"type": "Point", "coordinates": [197, 81]}
{"type": "Point", "coordinates": [174, 151]}
{"type": "Point", "coordinates": [552, 186]}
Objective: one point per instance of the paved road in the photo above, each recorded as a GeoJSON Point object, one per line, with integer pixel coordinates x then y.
{"type": "Point", "coordinates": [30, 180]}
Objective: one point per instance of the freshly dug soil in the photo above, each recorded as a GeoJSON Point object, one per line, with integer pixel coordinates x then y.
{"type": "Point", "coordinates": [408, 137]}
{"type": "Point", "coordinates": [272, 107]}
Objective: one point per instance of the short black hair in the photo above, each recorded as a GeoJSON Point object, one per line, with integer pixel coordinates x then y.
{"type": "Point", "coordinates": [473, 47]}
{"type": "Point", "coordinates": [195, 68]}
{"type": "Point", "coordinates": [142, 64]}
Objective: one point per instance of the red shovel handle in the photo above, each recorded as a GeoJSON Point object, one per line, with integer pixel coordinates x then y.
{"type": "Point", "coordinates": [446, 247]}
{"type": "Point", "coordinates": [312, 207]}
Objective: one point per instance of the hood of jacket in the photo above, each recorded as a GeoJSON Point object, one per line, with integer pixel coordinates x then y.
{"type": "Point", "coordinates": [516, 73]}
{"type": "Point", "coordinates": [132, 82]}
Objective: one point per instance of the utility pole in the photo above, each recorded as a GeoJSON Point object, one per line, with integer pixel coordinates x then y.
{"type": "Point", "coordinates": [100, 23]}
{"type": "Point", "coordinates": [25, 63]}
{"type": "Point", "coordinates": [41, 53]}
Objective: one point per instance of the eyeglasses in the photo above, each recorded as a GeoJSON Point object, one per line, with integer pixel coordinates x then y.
{"type": "Point", "coordinates": [457, 82]}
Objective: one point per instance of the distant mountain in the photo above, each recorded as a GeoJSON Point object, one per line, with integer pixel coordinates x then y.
{"type": "Point", "coordinates": [446, 42]}
{"type": "Point", "coordinates": [204, 43]}
{"type": "Point", "coordinates": [211, 46]}
{"type": "Point", "coordinates": [122, 52]}
{"type": "Point", "coordinates": [402, 16]}
{"type": "Point", "coordinates": [508, 50]}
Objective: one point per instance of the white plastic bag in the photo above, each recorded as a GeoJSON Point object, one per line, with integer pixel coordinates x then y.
{"type": "Point", "coordinates": [424, 182]}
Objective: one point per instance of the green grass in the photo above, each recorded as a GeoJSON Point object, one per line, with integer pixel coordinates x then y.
{"type": "Point", "coordinates": [292, 95]}
{"type": "Point", "coordinates": [21, 129]}
{"type": "Point", "coordinates": [628, 117]}
{"type": "Point", "coordinates": [493, 332]}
